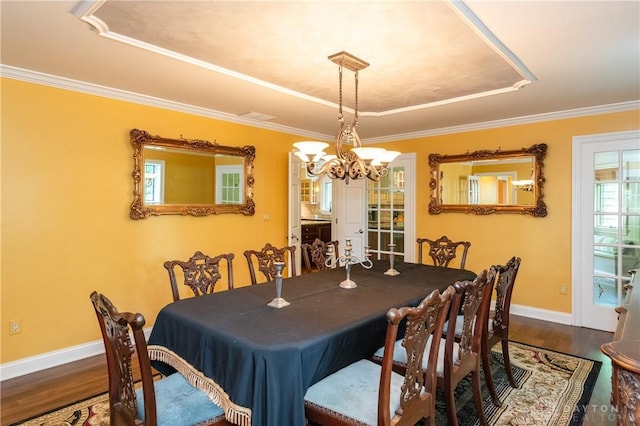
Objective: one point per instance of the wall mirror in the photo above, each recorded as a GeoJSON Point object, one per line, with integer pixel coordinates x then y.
{"type": "Point", "coordinates": [190, 177]}
{"type": "Point", "coordinates": [487, 182]}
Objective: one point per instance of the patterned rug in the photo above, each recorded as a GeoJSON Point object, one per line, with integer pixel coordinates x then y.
{"type": "Point", "coordinates": [552, 387]}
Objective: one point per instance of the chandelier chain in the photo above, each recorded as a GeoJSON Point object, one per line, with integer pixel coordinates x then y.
{"type": "Point", "coordinates": [356, 162]}
{"type": "Point", "coordinates": [340, 116]}
{"type": "Point", "coordinates": [355, 117]}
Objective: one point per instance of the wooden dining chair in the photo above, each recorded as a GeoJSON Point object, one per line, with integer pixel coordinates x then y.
{"type": "Point", "coordinates": [369, 393]}
{"type": "Point", "coordinates": [459, 357]}
{"type": "Point", "coordinates": [266, 258]}
{"type": "Point", "coordinates": [315, 255]}
{"type": "Point", "coordinates": [442, 251]}
{"type": "Point", "coordinates": [200, 273]}
{"type": "Point", "coordinates": [627, 291]}
{"type": "Point", "coordinates": [170, 400]}
{"type": "Point", "coordinates": [497, 327]}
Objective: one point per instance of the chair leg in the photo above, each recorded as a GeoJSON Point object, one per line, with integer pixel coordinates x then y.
{"type": "Point", "coordinates": [507, 362]}
{"type": "Point", "coordinates": [452, 414]}
{"type": "Point", "coordinates": [431, 421]}
{"type": "Point", "coordinates": [486, 367]}
{"type": "Point", "coordinates": [477, 397]}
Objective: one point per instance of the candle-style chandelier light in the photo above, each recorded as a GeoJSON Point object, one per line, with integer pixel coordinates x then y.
{"type": "Point", "coordinates": [358, 162]}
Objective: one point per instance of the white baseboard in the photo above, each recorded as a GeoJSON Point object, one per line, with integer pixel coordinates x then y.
{"type": "Point", "coordinates": [10, 370]}
{"type": "Point", "coordinates": [538, 313]}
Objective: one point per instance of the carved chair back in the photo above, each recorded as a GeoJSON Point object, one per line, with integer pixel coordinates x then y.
{"type": "Point", "coordinates": [266, 258]}
{"type": "Point", "coordinates": [504, 288]}
{"type": "Point", "coordinates": [473, 301]}
{"type": "Point", "coordinates": [442, 251]}
{"type": "Point", "coordinates": [315, 255]}
{"type": "Point", "coordinates": [115, 328]}
{"type": "Point", "coordinates": [417, 399]}
{"type": "Point", "coordinates": [200, 273]}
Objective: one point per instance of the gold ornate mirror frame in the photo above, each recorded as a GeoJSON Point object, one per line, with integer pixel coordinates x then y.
{"type": "Point", "coordinates": [536, 207]}
{"type": "Point", "coordinates": [193, 150]}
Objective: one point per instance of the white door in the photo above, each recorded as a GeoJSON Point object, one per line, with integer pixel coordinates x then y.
{"type": "Point", "coordinates": [606, 224]}
{"type": "Point", "coordinates": [350, 217]}
{"type": "Point", "coordinates": [294, 224]}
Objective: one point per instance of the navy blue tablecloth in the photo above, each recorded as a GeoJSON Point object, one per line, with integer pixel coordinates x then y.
{"type": "Point", "coordinates": [266, 358]}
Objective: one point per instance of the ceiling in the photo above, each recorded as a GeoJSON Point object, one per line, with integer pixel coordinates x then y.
{"type": "Point", "coordinates": [434, 65]}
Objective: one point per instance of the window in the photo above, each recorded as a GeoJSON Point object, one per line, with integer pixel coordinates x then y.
{"type": "Point", "coordinates": [326, 195]}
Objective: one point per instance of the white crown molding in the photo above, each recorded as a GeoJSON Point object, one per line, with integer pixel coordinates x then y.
{"type": "Point", "coordinates": [122, 95]}
{"type": "Point", "coordinates": [107, 92]}
{"type": "Point", "coordinates": [528, 119]}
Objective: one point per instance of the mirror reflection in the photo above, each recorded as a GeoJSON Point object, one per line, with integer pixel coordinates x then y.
{"type": "Point", "coordinates": [486, 182]}
{"type": "Point", "coordinates": [501, 182]}
{"type": "Point", "coordinates": [194, 177]}
{"type": "Point", "coordinates": [178, 176]}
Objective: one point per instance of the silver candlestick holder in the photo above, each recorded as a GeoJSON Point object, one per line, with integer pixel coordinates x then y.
{"type": "Point", "coordinates": [391, 271]}
{"type": "Point", "coordinates": [348, 259]}
{"type": "Point", "coordinates": [278, 302]}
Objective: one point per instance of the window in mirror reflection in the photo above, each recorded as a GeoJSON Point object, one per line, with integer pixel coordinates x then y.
{"type": "Point", "coordinates": [228, 184]}
{"type": "Point", "coordinates": [153, 182]}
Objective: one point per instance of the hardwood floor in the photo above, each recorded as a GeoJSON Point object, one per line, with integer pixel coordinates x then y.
{"type": "Point", "coordinates": [32, 394]}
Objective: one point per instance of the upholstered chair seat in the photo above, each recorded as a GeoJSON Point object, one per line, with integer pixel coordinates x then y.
{"type": "Point", "coordinates": [179, 403]}
{"type": "Point", "coordinates": [168, 401]}
{"type": "Point", "coordinates": [361, 381]}
{"type": "Point", "coordinates": [367, 393]}
{"type": "Point", "coordinates": [458, 356]}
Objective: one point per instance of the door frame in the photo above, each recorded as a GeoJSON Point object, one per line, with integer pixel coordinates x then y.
{"type": "Point", "coordinates": [577, 189]}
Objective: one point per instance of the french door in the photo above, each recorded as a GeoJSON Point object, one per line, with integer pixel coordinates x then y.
{"type": "Point", "coordinates": [391, 212]}
{"type": "Point", "coordinates": [374, 214]}
{"type": "Point", "coordinates": [606, 230]}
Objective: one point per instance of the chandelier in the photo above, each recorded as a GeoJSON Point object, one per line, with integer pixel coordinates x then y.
{"type": "Point", "coordinates": [358, 162]}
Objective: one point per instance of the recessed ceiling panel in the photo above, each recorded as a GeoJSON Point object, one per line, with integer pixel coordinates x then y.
{"type": "Point", "coordinates": [420, 54]}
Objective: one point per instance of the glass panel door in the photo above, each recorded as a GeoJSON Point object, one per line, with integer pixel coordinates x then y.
{"type": "Point", "coordinates": [386, 214]}
{"type": "Point", "coordinates": [616, 225]}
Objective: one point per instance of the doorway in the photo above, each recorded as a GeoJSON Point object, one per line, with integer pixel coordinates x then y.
{"type": "Point", "coordinates": [606, 224]}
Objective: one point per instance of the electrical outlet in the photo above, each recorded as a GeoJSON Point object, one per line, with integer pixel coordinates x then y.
{"type": "Point", "coordinates": [15, 327]}
{"type": "Point", "coordinates": [563, 289]}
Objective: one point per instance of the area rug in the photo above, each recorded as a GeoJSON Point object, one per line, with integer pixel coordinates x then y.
{"type": "Point", "coordinates": [552, 389]}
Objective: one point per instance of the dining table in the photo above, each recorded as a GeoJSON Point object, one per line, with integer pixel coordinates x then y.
{"type": "Point", "coordinates": [264, 358]}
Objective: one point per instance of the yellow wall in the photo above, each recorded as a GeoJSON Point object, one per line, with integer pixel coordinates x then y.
{"type": "Point", "coordinates": [66, 192]}
{"type": "Point", "coordinates": [67, 186]}
{"type": "Point", "coordinates": [544, 244]}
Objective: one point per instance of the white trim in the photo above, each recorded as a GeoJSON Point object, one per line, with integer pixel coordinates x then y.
{"type": "Point", "coordinates": [538, 313]}
{"type": "Point", "coordinates": [122, 95]}
{"type": "Point", "coordinates": [86, 14]}
{"type": "Point", "coordinates": [10, 370]}
{"type": "Point", "coordinates": [410, 206]}
{"type": "Point", "coordinates": [97, 90]}
{"type": "Point", "coordinates": [578, 142]}
{"type": "Point", "coordinates": [527, 119]}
